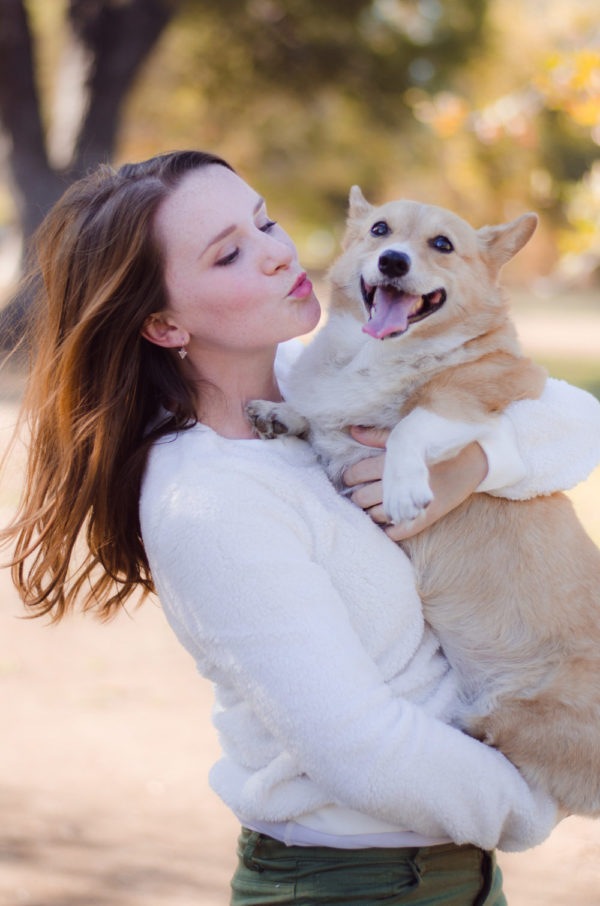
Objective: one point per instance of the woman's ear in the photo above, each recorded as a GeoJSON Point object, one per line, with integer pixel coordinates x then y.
{"type": "Point", "coordinates": [161, 330]}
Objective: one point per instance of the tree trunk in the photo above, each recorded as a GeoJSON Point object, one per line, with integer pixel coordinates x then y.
{"type": "Point", "coordinates": [35, 186]}
{"type": "Point", "coordinates": [117, 39]}
{"type": "Point", "coordinates": [110, 42]}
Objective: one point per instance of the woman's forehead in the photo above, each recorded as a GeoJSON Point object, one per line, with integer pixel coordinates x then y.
{"type": "Point", "coordinates": [206, 199]}
{"type": "Point", "coordinates": [211, 189]}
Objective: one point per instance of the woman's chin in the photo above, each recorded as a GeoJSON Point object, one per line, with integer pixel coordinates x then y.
{"type": "Point", "coordinates": [309, 314]}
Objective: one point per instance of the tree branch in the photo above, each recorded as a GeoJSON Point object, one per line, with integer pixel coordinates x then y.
{"type": "Point", "coordinates": [117, 39]}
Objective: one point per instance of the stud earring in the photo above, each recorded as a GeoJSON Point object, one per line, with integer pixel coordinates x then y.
{"type": "Point", "coordinates": [182, 352]}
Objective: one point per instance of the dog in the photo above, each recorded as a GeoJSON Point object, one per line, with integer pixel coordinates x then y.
{"type": "Point", "coordinates": [419, 341]}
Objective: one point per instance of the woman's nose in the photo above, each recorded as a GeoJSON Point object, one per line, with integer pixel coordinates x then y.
{"type": "Point", "coordinates": [278, 253]}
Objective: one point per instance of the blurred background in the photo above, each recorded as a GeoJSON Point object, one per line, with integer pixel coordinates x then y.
{"type": "Point", "coordinates": [489, 107]}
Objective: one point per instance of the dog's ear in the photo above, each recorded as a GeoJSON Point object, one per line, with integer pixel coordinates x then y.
{"type": "Point", "coordinates": [358, 204]}
{"type": "Point", "coordinates": [501, 243]}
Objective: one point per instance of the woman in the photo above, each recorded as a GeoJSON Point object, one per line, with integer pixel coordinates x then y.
{"type": "Point", "coordinates": [165, 292]}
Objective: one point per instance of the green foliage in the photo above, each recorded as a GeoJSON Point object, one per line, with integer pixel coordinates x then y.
{"type": "Point", "coordinates": [304, 97]}
{"type": "Point", "coordinates": [484, 106]}
{"type": "Point", "coordinates": [364, 49]}
{"type": "Point", "coordinates": [566, 147]}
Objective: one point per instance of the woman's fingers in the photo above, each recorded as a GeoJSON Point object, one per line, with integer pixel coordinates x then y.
{"type": "Point", "coordinates": [368, 495]}
{"type": "Point", "coordinates": [371, 437]}
{"type": "Point", "coordinates": [378, 515]}
{"type": "Point", "coordinates": [368, 470]}
{"type": "Point", "coordinates": [404, 530]}
{"type": "Point", "coordinates": [452, 481]}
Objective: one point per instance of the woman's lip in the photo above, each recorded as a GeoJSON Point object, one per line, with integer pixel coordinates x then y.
{"type": "Point", "coordinates": [301, 288]}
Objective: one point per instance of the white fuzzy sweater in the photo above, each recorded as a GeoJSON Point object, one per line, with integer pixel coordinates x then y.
{"type": "Point", "coordinates": [332, 695]}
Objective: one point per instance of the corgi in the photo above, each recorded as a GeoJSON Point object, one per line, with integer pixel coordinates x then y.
{"type": "Point", "coordinates": [419, 340]}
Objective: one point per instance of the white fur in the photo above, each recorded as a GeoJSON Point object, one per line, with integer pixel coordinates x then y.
{"type": "Point", "coordinates": [512, 589]}
{"type": "Point", "coordinates": [421, 438]}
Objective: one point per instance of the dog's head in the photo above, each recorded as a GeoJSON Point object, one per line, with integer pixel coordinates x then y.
{"type": "Point", "coordinates": [410, 266]}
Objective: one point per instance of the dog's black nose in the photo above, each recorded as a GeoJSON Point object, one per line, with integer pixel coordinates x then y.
{"type": "Point", "coordinates": [394, 264]}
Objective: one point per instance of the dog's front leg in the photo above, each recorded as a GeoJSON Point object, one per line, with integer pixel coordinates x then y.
{"type": "Point", "coordinates": [419, 440]}
{"type": "Point", "coordinates": [271, 420]}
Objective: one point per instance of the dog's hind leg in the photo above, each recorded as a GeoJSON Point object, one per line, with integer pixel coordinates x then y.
{"type": "Point", "coordinates": [553, 744]}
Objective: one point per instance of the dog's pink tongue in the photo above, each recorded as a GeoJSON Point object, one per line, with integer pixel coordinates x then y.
{"type": "Point", "coordinates": [390, 313]}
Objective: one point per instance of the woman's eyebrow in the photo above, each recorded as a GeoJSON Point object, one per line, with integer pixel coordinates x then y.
{"type": "Point", "coordinates": [231, 229]}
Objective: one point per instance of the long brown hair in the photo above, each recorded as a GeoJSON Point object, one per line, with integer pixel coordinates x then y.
{"type": "Point", "coordinates": [96, 389]}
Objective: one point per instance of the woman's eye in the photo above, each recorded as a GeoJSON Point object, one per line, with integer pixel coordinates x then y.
{"type": "Point", "coordinates": [227, 259]}
{"type": "Point", "coordinates": [441, 244]}
{"type": "Point", "coordinates": [231, 256]}
{"type": "Point", "coordinates": [380, 228]}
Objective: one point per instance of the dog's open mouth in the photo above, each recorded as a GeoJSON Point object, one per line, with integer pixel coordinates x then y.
{"type": "Point", "coordinates": [391, 311]}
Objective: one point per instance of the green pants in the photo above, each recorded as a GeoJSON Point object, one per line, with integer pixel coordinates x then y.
{"type": "Point", "coordinates": [272, 874]}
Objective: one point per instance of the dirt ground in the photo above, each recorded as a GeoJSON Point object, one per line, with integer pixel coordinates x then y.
{"type": "Point", "coordinates": [104, 757]}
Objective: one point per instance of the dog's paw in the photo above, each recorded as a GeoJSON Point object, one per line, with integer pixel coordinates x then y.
{"type": "Point", "coordinates": [271, 420]}
{"type": "Point", "coordinates": [406, 493]}
{"type": "Point", "coordinates": [262, 415]}
{"type": "Point", "coordinates": [405, 504]}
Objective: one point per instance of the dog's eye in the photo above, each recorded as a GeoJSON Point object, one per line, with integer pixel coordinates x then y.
{"type": "Point", "coordinates": [380, 228]}
{"type": "Point", "coordinates": [441, 244]}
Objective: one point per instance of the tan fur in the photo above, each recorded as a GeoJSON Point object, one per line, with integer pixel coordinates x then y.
{"type": "Point", "coordinates": [511, 588]}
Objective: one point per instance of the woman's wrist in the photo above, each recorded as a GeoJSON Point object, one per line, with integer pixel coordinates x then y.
{"type": "Point", "coordinates": [451, 481]}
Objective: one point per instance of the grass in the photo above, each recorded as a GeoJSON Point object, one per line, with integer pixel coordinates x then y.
{"type": "Point", "coordinates": [586, 499]}
{"type": "Point", "coordinates": [583, 372]}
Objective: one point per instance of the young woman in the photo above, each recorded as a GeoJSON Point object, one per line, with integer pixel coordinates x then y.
{"type": "Point", "coordinates": [164, 291]}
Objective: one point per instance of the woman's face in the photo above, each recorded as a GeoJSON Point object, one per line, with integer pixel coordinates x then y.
{"type": "Point", "coordinates": [233, 278]}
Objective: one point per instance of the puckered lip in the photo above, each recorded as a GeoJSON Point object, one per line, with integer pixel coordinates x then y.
{"type": "Point", "coordinates": [421, 306]}
{"type": "Point", "coordinates": [302, 287]}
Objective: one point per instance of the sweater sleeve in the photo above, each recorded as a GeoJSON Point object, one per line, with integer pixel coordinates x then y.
{"type": "Point", "coordinates": [542, 446]}
{"type": "Point", "coordinates": [234, 571]}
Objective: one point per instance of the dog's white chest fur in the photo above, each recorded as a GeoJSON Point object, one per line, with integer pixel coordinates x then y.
{"type": "Point", "coordinates": [511, 588]}
{"type": "Point", "coordinates": [339, 381]}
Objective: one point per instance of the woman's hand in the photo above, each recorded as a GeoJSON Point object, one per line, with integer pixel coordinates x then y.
{"type": "Point", "coordinates": [452, 481]}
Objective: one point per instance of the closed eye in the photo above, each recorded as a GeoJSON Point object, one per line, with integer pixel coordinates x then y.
{"type": "Point", "coordinates": [231, 256]}
{"type": "Point", "coordinates": [227, 259]}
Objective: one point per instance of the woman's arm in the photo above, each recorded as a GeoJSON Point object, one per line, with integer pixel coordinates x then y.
{"type": "Point", "coordinates": [246, 593]}
{"type": "Point", "coordinates": [557, 438]}
{"type": "Point", "coordinates": [536, 447]}
{"type": "Point", "coordinates": [452, 481]}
